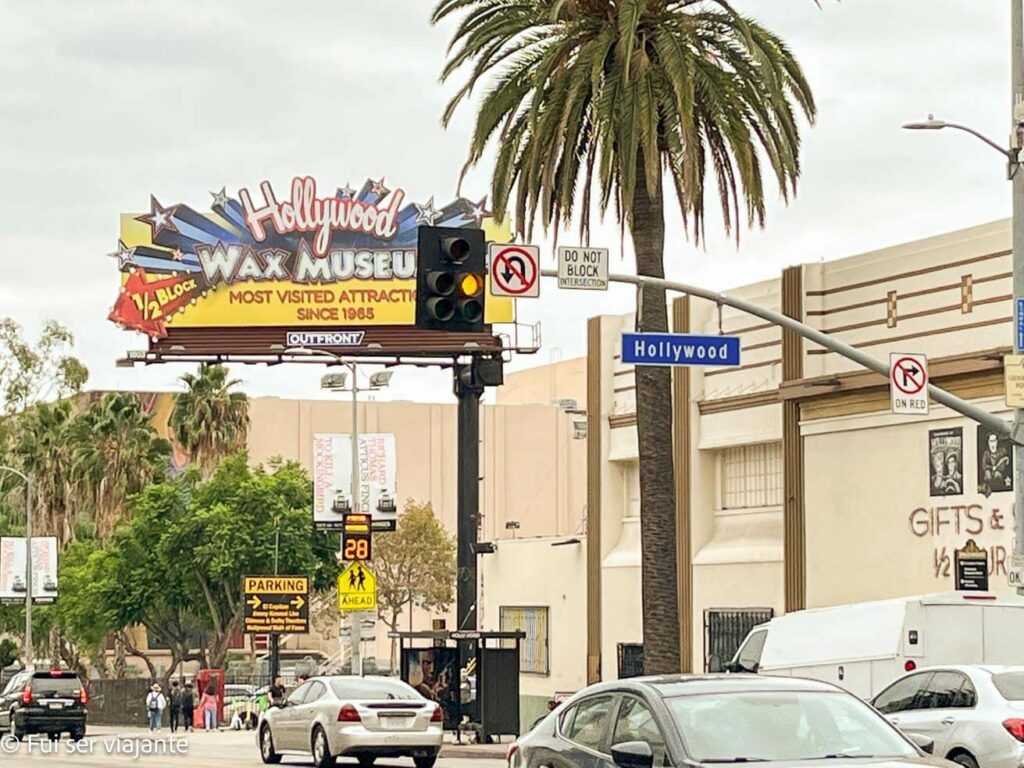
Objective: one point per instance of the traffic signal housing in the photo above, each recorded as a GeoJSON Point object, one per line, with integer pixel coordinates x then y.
{"type": "Point", "coordinates": [451, 275]}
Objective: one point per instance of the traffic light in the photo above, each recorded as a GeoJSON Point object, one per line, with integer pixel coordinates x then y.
{"type": "Point", "coordinates": [451, 273]}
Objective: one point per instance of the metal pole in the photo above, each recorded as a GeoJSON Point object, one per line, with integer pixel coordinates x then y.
{"type": "Point", "coordinates": [971, 411]}
{"type": "Point", "coordinates": [29, 652]}
{"type": "Point", "coordinates": [468, 494]}
{"type": "Point", "coordinates": [1017, 178]}
{"type": "Point", "coordinates": [356, 617]}
{"type": "Point", "coordinates": [275, 638]}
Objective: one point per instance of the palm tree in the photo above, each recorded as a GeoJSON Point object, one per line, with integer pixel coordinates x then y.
{"type": "Point", "coordinates": [209, 421]}
{"type": "Point", "coordinates": [625, 93]}
{"type": "Point", "coordinates": [116, 453]}
{"type": "Point", "coordinates": [42, 443]}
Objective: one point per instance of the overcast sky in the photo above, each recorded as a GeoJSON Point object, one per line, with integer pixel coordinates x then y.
{"type": "Point", "coordinates": [103, 103]}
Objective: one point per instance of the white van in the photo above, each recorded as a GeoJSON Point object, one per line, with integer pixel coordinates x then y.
{"type": "Point", "coordinates": [863, 647]}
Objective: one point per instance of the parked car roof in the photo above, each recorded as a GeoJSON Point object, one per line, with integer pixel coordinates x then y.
{"type": "Point", "coordinates": [669, 686]}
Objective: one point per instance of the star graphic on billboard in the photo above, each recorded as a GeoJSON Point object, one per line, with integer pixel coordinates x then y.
{"type": "Point", "coordinates": [158, 218]}
{"type": "Point", "coordinates": [427, 214]}
{"type": "Point", "coordinates": [378, 188]}
{"type": "Point", "coordinates": [220, 199]}
{"type": "Point", "coordinates": [478, 211]}
{"type": "Point", "coordinates": [177, 254]}
{"type": "Point", "coordinates": [123, 254]}
{"type": "Point", "coordinates": [347, 191]}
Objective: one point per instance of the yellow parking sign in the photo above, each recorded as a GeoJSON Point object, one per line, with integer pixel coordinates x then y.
{"type": "Point", "coordinates": [357, 588]}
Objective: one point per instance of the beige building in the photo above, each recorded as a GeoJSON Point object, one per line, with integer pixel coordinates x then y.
{"type": "Point", "coordinates": [796, 486]}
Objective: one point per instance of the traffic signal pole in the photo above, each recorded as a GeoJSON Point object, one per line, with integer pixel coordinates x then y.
{"type": "Point", "coordinates": [468, 393]}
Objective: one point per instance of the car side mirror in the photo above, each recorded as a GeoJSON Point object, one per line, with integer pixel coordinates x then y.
{"type": "Point", "coordinates": [715, 664]}
{"type": "Point", "coordinates": [633, 754]}
{"type": "Point", "coordinates": [925, 743]}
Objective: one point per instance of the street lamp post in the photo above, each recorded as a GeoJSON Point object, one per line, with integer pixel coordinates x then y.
{"type": "Point", "coordinates": [1016, 176]}
{"type": "Point", "coordinates": [29, 656]}
{"type": "Point", "coordinates": [336, 383]}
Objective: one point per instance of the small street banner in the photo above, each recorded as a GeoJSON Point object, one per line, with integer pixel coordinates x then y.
{"type": "Point", "coordinates": [680, 349]}
{"type": "Point", "coordinates": [276, 604]}
{"type": "Point", "coordinates": [357, 588]}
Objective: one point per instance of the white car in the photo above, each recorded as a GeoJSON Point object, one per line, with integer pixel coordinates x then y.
{"type": "Point", "coordinates": [359, 717]}
{"type": "Point", "coordinates": [975, 714]}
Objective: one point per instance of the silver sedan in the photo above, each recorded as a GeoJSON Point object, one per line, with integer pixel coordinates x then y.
{"type": "Point", "coordinates": [974, 714]}
{"type": "Point", "coordinates": [360, 717]}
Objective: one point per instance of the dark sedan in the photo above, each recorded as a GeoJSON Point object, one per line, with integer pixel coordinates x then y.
{"type": "Point", "coordinates": [714, 720]}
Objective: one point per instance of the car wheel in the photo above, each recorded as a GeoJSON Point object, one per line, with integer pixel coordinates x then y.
{"type": "Point", "coordinates": [365, 761]}
{"type": "Point", "coordinates": [322, 757]}
{"type": "Point", "coordinates": [966, 759]}
{"type": "Point", "coordinates": [425, 762]}
{"type": "Point", "coordinates": [77, 734]}
{"type": "Point", "coordinates": [267, 752]}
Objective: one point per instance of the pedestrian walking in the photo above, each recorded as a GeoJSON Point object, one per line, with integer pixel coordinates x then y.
{"type": "Point", "coordinates": [208, 706]}
{"type": "Point", "coordinates": [175, 706]}
{"type": "Point", "coordinates": [155, 704]}
{"type": "Point", "coordinates": [188, 706]}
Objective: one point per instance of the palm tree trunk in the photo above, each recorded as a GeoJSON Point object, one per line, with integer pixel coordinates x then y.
{"type": "Point", "coordinates": [654, 437]}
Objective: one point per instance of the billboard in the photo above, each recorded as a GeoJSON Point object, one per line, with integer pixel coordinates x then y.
{"type": "Point", "coordinates": [434, 673]}
{"type": "Point", "coordinates": [332, 480]}
{"type": "Point", "coordinates": [13, 584]}
{"type": "Point", "coordinates": [301, 258]}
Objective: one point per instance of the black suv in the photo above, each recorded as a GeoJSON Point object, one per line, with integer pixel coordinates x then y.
{"type": "Point", "coordinates": [52, 702]}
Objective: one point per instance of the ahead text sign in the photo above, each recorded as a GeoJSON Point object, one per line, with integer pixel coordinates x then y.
{"type": "Point", "coordinates": [680, 349]}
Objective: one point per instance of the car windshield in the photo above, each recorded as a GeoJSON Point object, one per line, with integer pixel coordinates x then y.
{"type": "Point", "coordinates": [1010, 685]}
{"type": "Point", "coordinates": [783, 725]}
{"type": "Point", "coordinates": [373, 689]}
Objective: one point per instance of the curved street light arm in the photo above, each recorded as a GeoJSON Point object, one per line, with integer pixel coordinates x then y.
{"type": "Point", "coordinates": [1007, 153]}
{"type": "Point", "coordinates": [971, 411]}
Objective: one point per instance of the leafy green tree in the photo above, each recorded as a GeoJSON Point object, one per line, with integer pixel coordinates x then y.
{"type": "Point", "coordinates": [414, 565]}
{"type": "Point", "coordinates": [209, 421]}
{"type": "Point", "coordinates": [8, 652]}
{"type": "Point", "coordinates": [39, 370]}
{"type": "Point", "coordinates": [116, 452]}
{"type": "Point", "coordinates": [622, 94]}
{"type": "Point", "coordinates": [229, 532]}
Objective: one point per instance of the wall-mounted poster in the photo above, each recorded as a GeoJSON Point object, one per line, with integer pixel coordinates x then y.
{"type": "Point", "coordinates": [946, 462]}
{"type": "Point", "coordinates": [995, 462]}
{"type": "Point", "coordinates": [434, 672]}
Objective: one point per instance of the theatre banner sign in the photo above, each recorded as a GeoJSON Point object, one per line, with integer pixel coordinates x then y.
{"type": "Point", "coordinates": [324, 266]}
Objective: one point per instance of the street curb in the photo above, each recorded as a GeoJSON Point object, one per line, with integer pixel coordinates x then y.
{"type": "Point", "coordinates": [472, 752]}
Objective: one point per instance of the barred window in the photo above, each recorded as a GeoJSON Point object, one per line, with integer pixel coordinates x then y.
{"type": "Point", "coordinates": [751, 476]}
{"type": "Point", "coordinates": [533, 650]}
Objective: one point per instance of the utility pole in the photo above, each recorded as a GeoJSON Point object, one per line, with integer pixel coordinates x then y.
{"type": "Point", "coordinates": [1017, 179]}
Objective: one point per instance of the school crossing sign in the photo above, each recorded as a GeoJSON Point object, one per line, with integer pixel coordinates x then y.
{"type": "Point", "coordinates": [357, 588]}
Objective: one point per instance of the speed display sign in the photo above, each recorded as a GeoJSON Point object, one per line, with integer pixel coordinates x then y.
{"type": "Point", "coordinates": [356, 539]}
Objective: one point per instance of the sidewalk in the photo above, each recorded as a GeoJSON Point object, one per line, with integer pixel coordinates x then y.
{"type": "Point", "coordinates": [473, 751]}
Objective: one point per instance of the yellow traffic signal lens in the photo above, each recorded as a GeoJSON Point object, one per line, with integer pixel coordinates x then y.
{"type": "Point", "coordinates": [470, 284]}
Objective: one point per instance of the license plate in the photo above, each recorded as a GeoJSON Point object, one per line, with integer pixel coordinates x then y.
{"type": "Point", "coordinates": [56, 705]}
{"type": "Point", "coordinates": [396, 722]}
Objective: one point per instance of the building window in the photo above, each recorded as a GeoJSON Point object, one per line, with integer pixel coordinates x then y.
{"type": "Point", "coordinates": [751, 476]}
{"type": "Point", "coordinates": [533, 650]}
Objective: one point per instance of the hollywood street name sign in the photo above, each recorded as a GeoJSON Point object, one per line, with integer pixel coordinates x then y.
{"type": "Point", "coordinates": [680, 349]}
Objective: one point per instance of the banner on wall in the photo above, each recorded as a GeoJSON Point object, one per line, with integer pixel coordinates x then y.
{"type": "Point", "coordinates": [303, 257]}
{"type": "Point", "coordinates": [332, 480]}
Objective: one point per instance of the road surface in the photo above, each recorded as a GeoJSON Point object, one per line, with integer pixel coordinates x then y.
{"type": "Point", "coordinates": [196, 750]}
